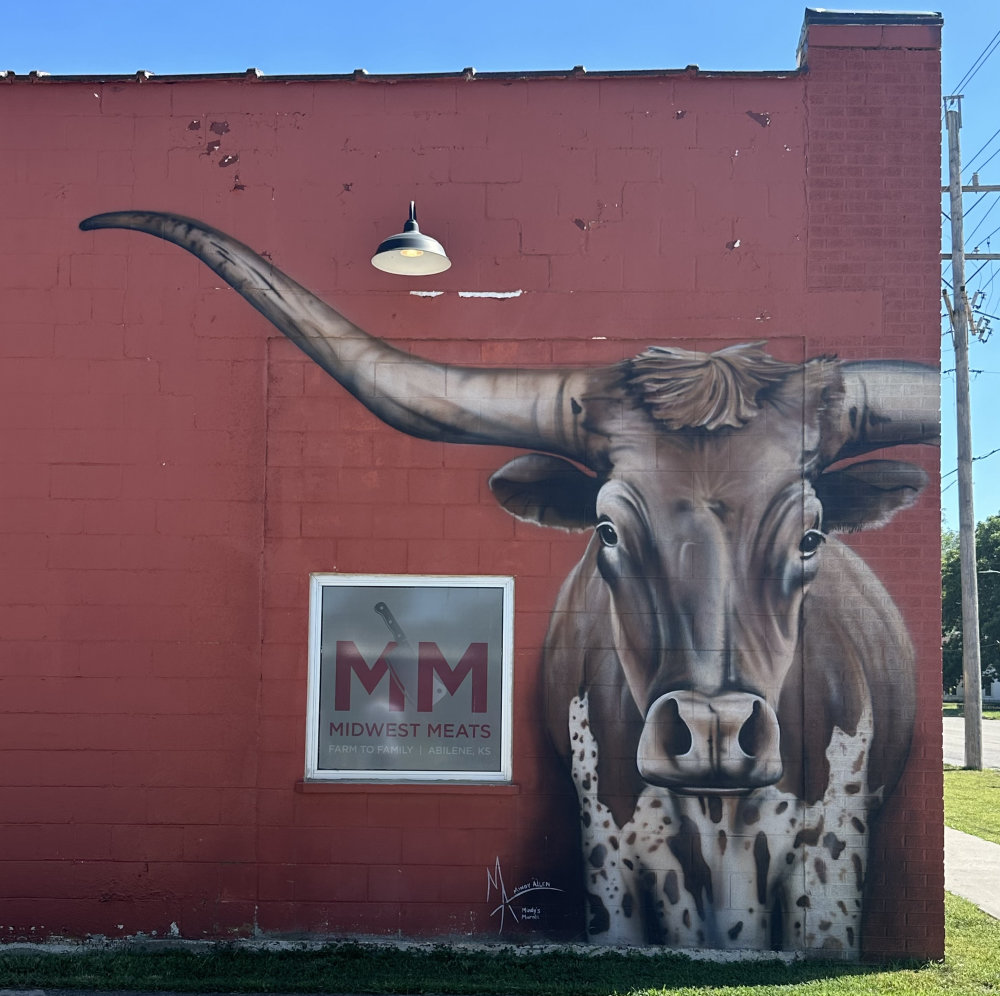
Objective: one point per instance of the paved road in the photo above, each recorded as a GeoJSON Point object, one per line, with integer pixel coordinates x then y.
{"type": "Point", "coordinates": [954, 742]}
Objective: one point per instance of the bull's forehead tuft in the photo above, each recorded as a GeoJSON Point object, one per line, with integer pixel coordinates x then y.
{"type": "Point", "coordinates": [683, 389]}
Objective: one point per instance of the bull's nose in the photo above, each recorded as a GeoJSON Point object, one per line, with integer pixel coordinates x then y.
{"type": "Point", "coordinates": [721, 743]}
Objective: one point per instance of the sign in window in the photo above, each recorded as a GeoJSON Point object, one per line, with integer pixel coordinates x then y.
{"type": "Point", "coordinates": [409, 678]}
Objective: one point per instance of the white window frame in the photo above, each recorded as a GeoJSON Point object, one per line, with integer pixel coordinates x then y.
{"type": "Point", "coordinates": [320, 581]}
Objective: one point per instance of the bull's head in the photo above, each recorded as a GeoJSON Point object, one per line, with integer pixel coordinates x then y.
{"type": "Point", "coordinates": [705, 480]}
{"type": "Point", "coordinates": [726, 479]}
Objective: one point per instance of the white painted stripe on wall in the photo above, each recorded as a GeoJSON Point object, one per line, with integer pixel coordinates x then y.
{"type": "Point", "coordinates": [499, 294]}
{"type": "Point", "coordinates": [493, 294]}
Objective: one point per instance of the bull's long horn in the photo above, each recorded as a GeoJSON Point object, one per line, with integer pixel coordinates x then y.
{"type": "Point", "coordinates": [885, 403]}
{"type": "Point", "coordinates": [524, 408]}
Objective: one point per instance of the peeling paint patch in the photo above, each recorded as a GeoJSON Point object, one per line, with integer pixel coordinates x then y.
{"type": "Point", "coordinates": [492, 294]}
{"type": "Point", "coordinates": [219, 127]}
{"type": "Point", "coordinates": [679, 114]}
{"type": "Point", "coordinates": [193, 125]}
{"type": "Point", "coordinates": [496, 294]}
{"type": "Point", "coordinates": [229, 160]}
{"type": "Point", "coordinates": [735, 244]}
{"type": "Point", "coordinates": [761, 117]}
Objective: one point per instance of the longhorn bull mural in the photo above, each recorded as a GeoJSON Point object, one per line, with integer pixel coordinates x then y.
{"type": "Point", "coordinates": [731, 688]}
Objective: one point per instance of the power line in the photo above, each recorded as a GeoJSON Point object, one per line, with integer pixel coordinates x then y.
{"type": "Point", "coordinates": [978, 62]}
{"type": "Point", "coordinates": [983, 457]}
{"type": "Point", "coordinates": [976, 203]}
{"type": "Point", "coordinates": [988, 161]}
{"type": "Point", "coordinates": [976, 274]}
{"type": "Point", "coordinates": [993, 277]}
{"type": "Point", "coordinates": [985, 300]}
{"type": "Point", "coordinates": [985, 241]}
{"type": "Point", "coordinates": [972, 158]}
{"type": "Point", "coordinates": [981, 220]}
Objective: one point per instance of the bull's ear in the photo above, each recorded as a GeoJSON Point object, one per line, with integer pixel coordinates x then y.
{"type": "Point", "coordinates": [547, 490]}
{"type": "Point", "coordinates": [867, 495]}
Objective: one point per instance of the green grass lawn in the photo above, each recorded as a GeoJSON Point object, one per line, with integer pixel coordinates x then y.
{"type": "Point", "coordinates": [954, 710]}
{"type": "Point", "coordinates": [972, 966]}
{"type": "Point", "coordinates": [972, 802]}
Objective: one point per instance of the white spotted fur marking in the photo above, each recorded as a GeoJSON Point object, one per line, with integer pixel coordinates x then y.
{"type": "Point", "coordinates": [815, 872]}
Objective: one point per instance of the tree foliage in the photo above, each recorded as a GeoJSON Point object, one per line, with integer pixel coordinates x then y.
{"type": "Point", "coordinates": [988, 573]}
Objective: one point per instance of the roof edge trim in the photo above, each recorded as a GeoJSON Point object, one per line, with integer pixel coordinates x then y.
{"type": "Point", "coordinates": [255, 76]}
{"type": "Point", "coordinates": [820, 15]}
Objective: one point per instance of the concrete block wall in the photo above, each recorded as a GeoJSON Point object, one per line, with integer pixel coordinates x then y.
{"type": "Point", "coordinates": [174, 469]}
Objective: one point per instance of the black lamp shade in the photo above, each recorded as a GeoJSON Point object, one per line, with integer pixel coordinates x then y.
{"type": "Point", "coordinates": [411, 252]}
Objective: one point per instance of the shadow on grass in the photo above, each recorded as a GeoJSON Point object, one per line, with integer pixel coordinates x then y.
{"type": "Point", "coordinates": [370, 969]}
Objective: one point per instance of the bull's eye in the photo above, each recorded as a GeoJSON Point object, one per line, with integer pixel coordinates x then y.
{"type": "Point", "coordinates": [810, 543]}
{"type": "Point", "coordinates": [607, 533]}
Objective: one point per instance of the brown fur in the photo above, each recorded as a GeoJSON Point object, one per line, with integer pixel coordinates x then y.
{"type": "Point", "coordinates": [689, 390]}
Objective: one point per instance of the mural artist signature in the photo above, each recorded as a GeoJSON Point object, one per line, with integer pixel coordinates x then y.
{"type": "Point", "coordinates": [521, 911]}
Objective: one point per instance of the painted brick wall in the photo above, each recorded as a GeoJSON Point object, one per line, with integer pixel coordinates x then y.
{"type": "Point", "coordinates": [173, 469]}
{"type": "Point", "coordinates": [871, 192]}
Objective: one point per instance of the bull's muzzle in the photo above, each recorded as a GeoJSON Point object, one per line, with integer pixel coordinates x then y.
{"type": "Point", "coordinates": [720, 744]}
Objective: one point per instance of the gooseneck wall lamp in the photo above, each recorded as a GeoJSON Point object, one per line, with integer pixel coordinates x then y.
{"type": "Point", "coordinates": [411, 252]}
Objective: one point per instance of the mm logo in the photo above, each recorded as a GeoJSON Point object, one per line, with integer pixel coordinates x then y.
{"type": "Point", "coordinates": [431, 665]}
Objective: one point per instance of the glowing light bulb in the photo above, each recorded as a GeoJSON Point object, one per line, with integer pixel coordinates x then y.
{"type": "Point", "coordinates": [411, 253]}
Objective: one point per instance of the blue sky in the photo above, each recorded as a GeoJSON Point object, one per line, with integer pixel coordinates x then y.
{"type": "Point", "coordinates": [392, 36]}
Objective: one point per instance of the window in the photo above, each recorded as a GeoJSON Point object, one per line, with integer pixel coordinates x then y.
{"type": "Point", "coordinates": [409, 678]}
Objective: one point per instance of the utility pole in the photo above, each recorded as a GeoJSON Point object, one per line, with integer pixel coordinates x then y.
{"type": "Point", "coordinates": [971, 669]}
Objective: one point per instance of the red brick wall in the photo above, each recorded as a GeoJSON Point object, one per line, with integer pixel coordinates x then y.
{"type": "Point", "coordinates": [174, 470]}
{"type": "Point", "coordinates": [874, 187]}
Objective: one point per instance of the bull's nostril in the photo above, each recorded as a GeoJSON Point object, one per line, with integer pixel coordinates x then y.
{"type": "Point", "coordinates": [676, 734]}
{"type": "Point", "coordinates": [753, 734]}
